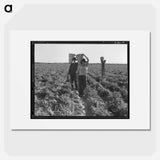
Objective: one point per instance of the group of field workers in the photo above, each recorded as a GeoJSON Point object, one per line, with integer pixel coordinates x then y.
{"type": "Point", "coordinates": [78, 71]}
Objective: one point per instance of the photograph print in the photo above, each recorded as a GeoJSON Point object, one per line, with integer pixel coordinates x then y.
{"type": "Point", "coordinates": [80, 79]}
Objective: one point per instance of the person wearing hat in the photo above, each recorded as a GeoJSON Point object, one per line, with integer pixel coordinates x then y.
{"type": "Point", "coordinates": [73, 72]}
{"type": "Point", "coordinates": [82, 72]}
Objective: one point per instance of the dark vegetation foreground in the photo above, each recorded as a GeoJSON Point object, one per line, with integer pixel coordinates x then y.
{"type": "Point", "coordinates": [107, 97]}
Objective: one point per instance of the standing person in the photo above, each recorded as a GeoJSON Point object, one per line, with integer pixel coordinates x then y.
{"type": "Point", "coordinates": [73, 72]}
{"type": "Point", "coordinates": [82, 74]}
{"type": "Point", "coordinates": [103, 66]}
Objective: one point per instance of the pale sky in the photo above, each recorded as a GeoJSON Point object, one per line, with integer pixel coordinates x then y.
{"type": "Point", "coordinates": [50, 53]}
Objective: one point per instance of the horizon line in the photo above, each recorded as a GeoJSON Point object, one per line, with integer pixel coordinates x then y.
{"type": "Point", "coordinates": [89, 63]}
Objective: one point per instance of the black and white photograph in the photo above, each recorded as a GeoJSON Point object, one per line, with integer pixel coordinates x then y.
{"type": "Point", "coordinates": [80, 79]}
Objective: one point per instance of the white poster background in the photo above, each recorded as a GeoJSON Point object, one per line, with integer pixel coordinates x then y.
{"type": "Point", "coordinates": [139, 80]}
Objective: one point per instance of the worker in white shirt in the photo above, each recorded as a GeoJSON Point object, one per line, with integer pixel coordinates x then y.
{"type": "Point", "coordinates": [82, 72]}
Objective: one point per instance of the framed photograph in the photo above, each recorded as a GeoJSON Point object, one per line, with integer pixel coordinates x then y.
{"type": "Point", "coordinates": [80, 79]}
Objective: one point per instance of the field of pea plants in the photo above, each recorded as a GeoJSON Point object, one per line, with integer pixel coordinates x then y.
{"type": "Point", "coordinates": [107, 97]}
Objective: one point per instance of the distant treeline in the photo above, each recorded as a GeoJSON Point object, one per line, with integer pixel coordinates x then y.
{"type": "Point", "coordinates": [89, 63]}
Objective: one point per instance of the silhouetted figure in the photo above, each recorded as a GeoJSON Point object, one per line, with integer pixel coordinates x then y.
{"type": "Point", "coordinates": [103, 66]}
{"type": "Point", "coordinates": [73, 73]}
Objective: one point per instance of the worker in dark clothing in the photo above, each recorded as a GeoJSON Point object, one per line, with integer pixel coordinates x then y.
{"type": "Point", "coordinates": [73, 73]}
{"type": "Point", "coordinates": [103, 66]}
